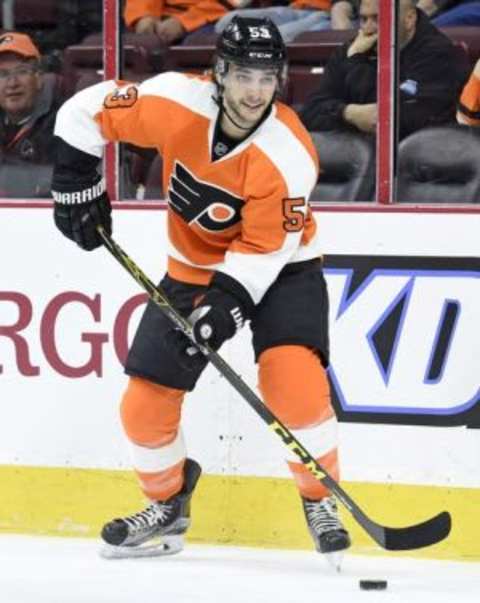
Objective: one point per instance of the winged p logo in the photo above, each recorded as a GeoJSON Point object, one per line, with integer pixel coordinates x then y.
{"type": "Point", "coordinates": [197, 202]}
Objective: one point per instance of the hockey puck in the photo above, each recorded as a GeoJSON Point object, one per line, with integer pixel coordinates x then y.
{"type": "Point", "coordinates": [373, 584]}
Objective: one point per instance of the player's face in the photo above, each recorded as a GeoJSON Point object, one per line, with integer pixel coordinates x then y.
{"type": "Point", "coordinates": [19, 85]}
{"type": "Point", "coordinates": [248, 92]}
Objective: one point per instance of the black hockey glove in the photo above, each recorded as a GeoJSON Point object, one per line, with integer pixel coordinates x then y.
{"type": "Point", "coordinates": [80, 200]}
{"type": "Point", "coordinates": [219, 315]}
{"type": "Point", "coordinates": [78, 213]}
{"type": "Point", "coordinates": [217, 318]}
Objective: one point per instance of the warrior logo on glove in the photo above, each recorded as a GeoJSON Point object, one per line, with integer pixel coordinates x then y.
{"type": "Point", "coordinates": [211, 207]}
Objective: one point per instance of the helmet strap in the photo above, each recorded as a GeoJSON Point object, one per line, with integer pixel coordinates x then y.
{"type": "Point", "coordinates": [219, 101]}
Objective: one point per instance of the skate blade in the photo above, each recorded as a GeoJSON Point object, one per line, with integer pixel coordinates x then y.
{"type": "Point", "coordinates": [334, 560]}
{"type": "Point", "coordinates": [168, 545]}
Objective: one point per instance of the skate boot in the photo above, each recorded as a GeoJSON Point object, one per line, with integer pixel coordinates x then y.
{"type": "Point", "coordinates": [328, 533]}
{"type": "Point", "coordinates": [158, 529]}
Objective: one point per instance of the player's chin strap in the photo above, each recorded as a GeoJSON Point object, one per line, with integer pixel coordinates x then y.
{"type": "Point", "coordinates": [221, 105]}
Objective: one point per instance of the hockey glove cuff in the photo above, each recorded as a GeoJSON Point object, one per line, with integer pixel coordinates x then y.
{"type": "Point", "coordinates": [81, 202]}
{"type": "Point", "coordinates": [78, 213]}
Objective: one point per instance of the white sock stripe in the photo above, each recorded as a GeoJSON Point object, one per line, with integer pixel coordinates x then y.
{"type": "Point", "coordinates": [151, 460]}
{"type": "Point", "coordinates": [317, 440]}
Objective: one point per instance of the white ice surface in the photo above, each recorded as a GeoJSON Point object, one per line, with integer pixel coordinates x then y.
{"type": "Point", "coordinates": [54, 570]}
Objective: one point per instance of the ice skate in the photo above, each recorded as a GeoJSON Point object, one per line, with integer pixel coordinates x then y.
{"type": "Point", "coordinates": [330, 537]}
{"type": "Point", "coordinates": [157, 530]}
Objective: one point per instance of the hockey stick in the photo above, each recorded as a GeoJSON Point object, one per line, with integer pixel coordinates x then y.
{"type": "Point", "coordinates": [394, 539]}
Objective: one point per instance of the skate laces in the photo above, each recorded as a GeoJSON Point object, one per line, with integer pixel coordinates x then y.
{"type": "Point", "coordinates": [150, 517]}
{"type": "Point", "coordinates": [322, 515]}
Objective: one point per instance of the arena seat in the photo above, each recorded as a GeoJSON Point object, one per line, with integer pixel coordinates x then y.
{"type": "Point", "coordinates": [149, 45]}
{"type": "Point", "coordinates": [83, 65]}
{"type": "Point", "coordinates": [189, 58]}
{"type": "Point", "coordinates": [440, 165]}
{"type": "Point", "coordinates": [302, 81]}
{"type": "Point", "coordinates": [201, 37]}
{"type": "Point", "coordinates": [327, 41]}
{"type": "Point", "coordinates": [316, 47]}
{"type": "Point", "coordinates": [34, 13]}
{"type": "Point", "coordinates": [347, 166]}
{"type": "Point", "coordinates": [468, 37]}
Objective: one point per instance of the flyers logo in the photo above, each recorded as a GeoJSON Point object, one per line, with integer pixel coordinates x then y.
{"type": "Point", "coordinates": [211, 207]}
{"type": "Point", "coordinates": [121, 98]}
{"type": "Point", "coordinates": [404, 339]}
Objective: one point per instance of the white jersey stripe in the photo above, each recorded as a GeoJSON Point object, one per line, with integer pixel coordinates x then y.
{"type": "Point", "coordinates": [192, 93]}
{"type": "Point", "coordinates": [82, 131]}
{"type": "Point", "coordinates": [257, 272]}
{"type": "Point", "coordinates": [289, 156]}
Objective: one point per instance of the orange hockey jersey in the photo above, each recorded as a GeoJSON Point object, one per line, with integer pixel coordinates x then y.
{"type": "Point", "coordinates": [312, 4]}
{"type": "Point", "coordinates": [469, 106]}
{"type": "Point", "coordinates": [192, 14]}
{"type": "Point", "coordinates": [245, 214]}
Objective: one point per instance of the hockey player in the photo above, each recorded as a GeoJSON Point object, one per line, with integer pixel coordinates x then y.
{"type": "Point", "coordinates": [239, 168]}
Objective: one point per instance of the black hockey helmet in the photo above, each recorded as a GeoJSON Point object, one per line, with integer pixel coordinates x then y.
{"type": "Point", "coordinates": [253, 42]}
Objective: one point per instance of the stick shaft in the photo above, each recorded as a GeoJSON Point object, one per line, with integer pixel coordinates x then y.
{"type": "Point", "coordinates": [406, 538]}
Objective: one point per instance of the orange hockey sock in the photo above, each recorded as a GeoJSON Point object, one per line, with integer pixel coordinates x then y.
{"type": "Point", "coordinates": [151, 418]}
{"type": "Point", "coordinates": [295, 387]}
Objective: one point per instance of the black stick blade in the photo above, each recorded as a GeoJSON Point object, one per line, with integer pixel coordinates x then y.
{"type": "Point", "coordinates": [423, 534]}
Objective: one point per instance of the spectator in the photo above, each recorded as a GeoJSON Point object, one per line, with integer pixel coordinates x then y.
{"type": "Point", "coordinates": [344, 14]}
{"type": "Point", "coordinates": [448, 13]}
{"type": "Point", "coordinates": [28, 107]}
{"type": "Point", "coordinates": [468, 110]}
{"type": "Point", "coordinates": [174, 20]}
{"type": "Point", "coordinates": [299, 16]}
{"type": "Point", "coordinates": [432, 72]}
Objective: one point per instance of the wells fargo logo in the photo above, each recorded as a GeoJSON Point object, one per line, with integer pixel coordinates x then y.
{"type": "Point", "coordinates": [33, 347]}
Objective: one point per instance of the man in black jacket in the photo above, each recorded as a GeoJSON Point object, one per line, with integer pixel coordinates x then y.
{"type": "Point", "coordinates": [432, 72]}
{"type": "Point", "coordinates": [28, 105]}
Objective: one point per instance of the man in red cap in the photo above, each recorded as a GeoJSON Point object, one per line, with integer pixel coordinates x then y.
{"type": "Point", "coordinates": [28, 107]}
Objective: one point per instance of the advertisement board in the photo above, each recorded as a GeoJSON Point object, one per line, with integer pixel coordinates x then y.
{"type": "Point", "coordinates": [404, 319]}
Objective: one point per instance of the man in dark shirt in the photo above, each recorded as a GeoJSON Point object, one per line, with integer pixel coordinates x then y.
{"type": "Point", "coordinates": [432, 71]}
{"type": "Point", "coordinates": [28, 107]}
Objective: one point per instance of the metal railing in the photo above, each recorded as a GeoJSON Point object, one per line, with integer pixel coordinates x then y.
{"type": "Point", "coordinates": [8, 16]}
